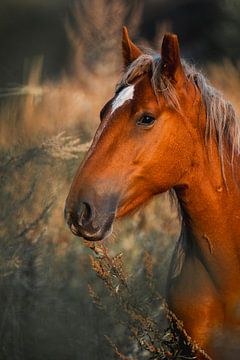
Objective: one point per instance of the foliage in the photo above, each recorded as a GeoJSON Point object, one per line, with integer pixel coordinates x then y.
{"type": "Point", "coordinates": [153, 328]}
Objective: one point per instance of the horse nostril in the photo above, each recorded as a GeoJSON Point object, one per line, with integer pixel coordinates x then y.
{"type": "Point", "coordinates": [84, 214]}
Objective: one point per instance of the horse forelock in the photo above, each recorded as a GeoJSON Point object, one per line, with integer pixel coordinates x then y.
{"type": "Point", "coordinates": [221, 119]}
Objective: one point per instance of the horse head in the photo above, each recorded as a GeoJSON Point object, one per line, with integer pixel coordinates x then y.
{"type": "Point", "coordinates": [144, 144]}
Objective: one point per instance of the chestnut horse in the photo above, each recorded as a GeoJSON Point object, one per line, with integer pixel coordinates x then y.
{"type": "Point", "coordinates": [166, 129]}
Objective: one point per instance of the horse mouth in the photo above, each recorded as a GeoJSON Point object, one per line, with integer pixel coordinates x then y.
{"type": "Point", "coordinates": [91, 233]}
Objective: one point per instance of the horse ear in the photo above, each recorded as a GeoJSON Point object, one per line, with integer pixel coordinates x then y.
{"type": "Point", "coordinates": [129, 50]}
{"type": "Point", "coordinates": [171, 62]}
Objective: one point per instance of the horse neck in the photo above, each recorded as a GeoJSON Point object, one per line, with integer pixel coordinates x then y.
{"type": "Point", "coordinates": [211, 214]}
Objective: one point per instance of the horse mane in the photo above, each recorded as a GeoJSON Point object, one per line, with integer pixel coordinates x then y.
{"type": "Point", "coordinates": [221, 119]}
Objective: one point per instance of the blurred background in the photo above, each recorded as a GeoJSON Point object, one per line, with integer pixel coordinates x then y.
{"type": "Point", "coordinates": [60, 61]}
{"type": "Point", "coordinates": [208, 31]}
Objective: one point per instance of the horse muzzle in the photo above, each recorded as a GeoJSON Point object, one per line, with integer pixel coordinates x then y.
{"type": "Point", "coordinates": [85, 220]}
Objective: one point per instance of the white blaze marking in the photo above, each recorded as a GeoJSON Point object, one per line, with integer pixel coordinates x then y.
{"type": "Point", "coordinates": [124, 95]}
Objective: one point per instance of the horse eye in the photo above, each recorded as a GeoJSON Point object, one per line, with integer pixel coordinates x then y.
{"type": "Point", "coordinates": [146, 120]}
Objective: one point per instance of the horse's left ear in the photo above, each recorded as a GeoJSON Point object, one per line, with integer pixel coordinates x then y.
{"type": "Point", "coordinates": [171, 62]}
{"type": "Point", "coordinates": [129, 50]}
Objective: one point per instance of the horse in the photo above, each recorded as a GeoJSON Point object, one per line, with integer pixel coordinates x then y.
{"type": "Point", "coordinates": [167, 129]}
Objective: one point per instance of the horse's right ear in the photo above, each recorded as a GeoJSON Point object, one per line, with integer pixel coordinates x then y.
{"type": "Point", "coordinates": [171, 62]}
{"type": "Point", "coordinates": [129, 50]}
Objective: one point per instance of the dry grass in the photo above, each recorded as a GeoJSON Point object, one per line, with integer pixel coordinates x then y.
{"type": "Point", "coordinates": [154, 331]}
